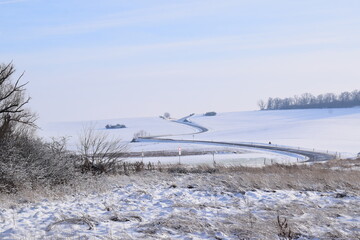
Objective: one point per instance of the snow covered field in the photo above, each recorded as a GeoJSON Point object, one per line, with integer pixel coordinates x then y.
{"type": "Point", "coordinates": [316, 201]}
{"type": "Point", "coordinates": [243, 159]}
{"type": "Point", "coordinates": [336, 130]}
{"type": "Point", "coordinates": [333, 130]}
{"type": "Point", "coordinates": [160, 127]}
{"type": "Point", "coordinates": [152, 125]}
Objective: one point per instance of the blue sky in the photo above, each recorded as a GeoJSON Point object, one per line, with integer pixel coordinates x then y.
{"type": "Point", "coordinates": [87, 60]}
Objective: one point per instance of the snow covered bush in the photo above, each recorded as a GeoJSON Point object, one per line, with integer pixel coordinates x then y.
{"type": "Point", "coordinates": [26, 162]}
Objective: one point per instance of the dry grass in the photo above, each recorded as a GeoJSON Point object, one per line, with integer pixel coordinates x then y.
{"type": "Point", "coordinates": [84, 220]}
{"type": "Point", "coordinates": [336, 175]}
{"type": "Point", "coordinates": [333, 175]}
{"type": "Point", "coordinates": [250, 221]}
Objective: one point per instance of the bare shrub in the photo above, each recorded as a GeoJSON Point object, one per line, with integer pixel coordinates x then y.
{"type": "Point", "coordinates": [285, 232]}
{"type": "Point", "coordinates": [177, 168]}
{"type": "Point", "coordinates": [315, 177]}
{"type": "Point", "coordinates": [141, 134]}
{"type": "Point", "coordinates": [28, 162]}
{"type": "Point", "coordinates": [98, 152]}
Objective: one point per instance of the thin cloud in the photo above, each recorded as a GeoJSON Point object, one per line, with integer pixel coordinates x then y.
{"type": "Point", "coordinates": [139, 16]}
{"type": "Point", "coordinates": [212, 47]}
{"type": "Point", "coordinates": [11, 1]}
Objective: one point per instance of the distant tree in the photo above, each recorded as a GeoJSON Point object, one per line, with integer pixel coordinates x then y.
{"type": "Point", "coordinates": [320, 99]}
{"type": "Point", "coordinates": [261, 104]}
{"type": "Point", "coordinates": [287, 103]}
{"type": "Point", "coordinates": [270, 104]}
{"type": "Point", "coordinates": [306, 99]}
{"type": "Point", "coordinates": [344, 97]}
{"type": "Point", "coordinates": [167, 115]}
{"type": "Point", "coordinates": [140, 134]}
{"type": "Point", "coordinates": [210, 114]}
{"type": "Point", "coordinates": [355, 96]}
{"type": "Point", "coordinates": [329, 98]}
{"type": "Point", "coordinates": [13, 101]}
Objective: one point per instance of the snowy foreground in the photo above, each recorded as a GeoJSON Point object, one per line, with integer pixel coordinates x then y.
{"type": "Point", "coordinates": [187, 206]}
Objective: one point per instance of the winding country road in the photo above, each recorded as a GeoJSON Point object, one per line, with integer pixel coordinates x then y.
{"type": "Point", "coordinates": [311, 156]}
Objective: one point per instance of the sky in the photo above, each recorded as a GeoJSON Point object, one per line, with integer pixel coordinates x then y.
{"type": "Point", "coordinates": [92, 60]}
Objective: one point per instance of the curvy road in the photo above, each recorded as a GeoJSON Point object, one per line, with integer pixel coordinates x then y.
{"type": "Point", "coordinates": [311, 156]}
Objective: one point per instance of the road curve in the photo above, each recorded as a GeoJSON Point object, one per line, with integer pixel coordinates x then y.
{"type": "Point", "coordinates": [186, 121]}
{"type": "Point", "coordinates": [311, 156]}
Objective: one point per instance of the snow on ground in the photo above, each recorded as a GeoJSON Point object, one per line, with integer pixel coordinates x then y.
{"type": "Point", "coordinates": [157, 126]}
{"type": "Point", "coordinates": [171, 146]}
{"type": "Point", "coordinates": [181, 207]}
{"type": "Point", "coordinates": [333, 130]}
{"type": "Point", "coordinates": [244, 159]}
{"type": "Point", "coordinates": [154, 126]}
{"type": "Point", "coordinates": [203, 206]}
{"type": "Point", "coordinates": [336, 130]}
{"type": "Point", "coordinates": [242, 155]}
{"type": "Point", "coordinates": [160, 127]}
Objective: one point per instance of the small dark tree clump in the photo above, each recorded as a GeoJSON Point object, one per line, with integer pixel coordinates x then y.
{"type": "Point", "coordinates": [210, 114]}
{"type": "Point", "coordinates": [166, 115]}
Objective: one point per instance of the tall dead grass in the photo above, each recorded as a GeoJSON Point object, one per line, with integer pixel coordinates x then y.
{"type": "Point", "coordinates": [330, 176]}
{"type": "Point", "coordinates": [333, 175]}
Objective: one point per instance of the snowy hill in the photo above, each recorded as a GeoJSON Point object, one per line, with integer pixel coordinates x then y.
{"type": "Point", "coordinates": [322, 129]}
{"type": "Point", "coordinates": [336, 130]}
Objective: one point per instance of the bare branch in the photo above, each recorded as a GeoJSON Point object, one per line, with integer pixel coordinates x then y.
{"type": "Point", "coordinates": [99, 153]}
{"type": "Point", "coordinates": [13, 101]}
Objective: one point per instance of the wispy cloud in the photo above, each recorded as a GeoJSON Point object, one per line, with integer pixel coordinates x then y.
{"type": "Point", "coordinates": [160, 13]}
{"type": "Point", "coordinates": [202, 49]}
{"type": "Point", "coordinates": [11, 1]}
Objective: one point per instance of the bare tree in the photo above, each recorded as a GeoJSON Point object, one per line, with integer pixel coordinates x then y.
{"type": "Point", "coordinates": [13, 101]}
{"type": "Point", "coordinates": [261, 104]}
{"type": "Point", "coordinates": [99, 153]}
{"type": "Point", "coordinates": [140, 134]}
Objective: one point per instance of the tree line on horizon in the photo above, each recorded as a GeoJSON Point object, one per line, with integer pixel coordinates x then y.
{"type": "Point", "coordinates": [307, 100]}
